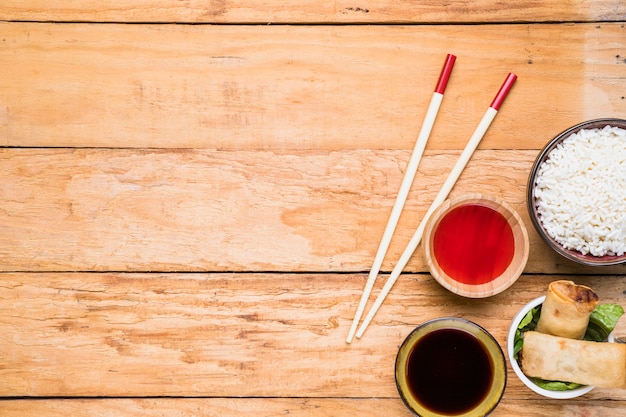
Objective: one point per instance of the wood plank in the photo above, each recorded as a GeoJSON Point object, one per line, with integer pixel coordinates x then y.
{"type": "Point", "coordinates": [296, 407]}
{"type": "Point", "coordinates": [202, 210]}
{"type": "Point", "coordinates": [306, 87]}
{"type": "Point", "coordinates": [230, 335]}
{"type": "Point", "coordinates": [312, 11]}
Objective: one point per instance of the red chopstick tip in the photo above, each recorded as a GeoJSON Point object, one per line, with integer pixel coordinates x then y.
{"type": "Point", "coordinates": [445, 74]}
{"type": "Point", "coordinates": [504, 90]}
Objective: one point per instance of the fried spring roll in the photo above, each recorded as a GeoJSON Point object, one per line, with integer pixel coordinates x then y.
{"type": "Point", "coordinates": [560, 359]}
{"type": "Point", "coordinates": [566, 309]}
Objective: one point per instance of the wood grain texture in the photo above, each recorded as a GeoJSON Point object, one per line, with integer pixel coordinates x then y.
{"type": "Point", "coordinates": [231, 335]}
{"type": "Point", "coordinates": [152, 171]}
{"type": "Point", "coordinates": [313, 11]}
{"type": "Point", "coordinates": [297, 407]}
{"type": "Point", "coordinates": [300, 87]}
{"type": "Point", "coordinates": [202, 210]}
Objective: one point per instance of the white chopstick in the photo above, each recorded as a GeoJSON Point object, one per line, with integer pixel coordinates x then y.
{"type": "Point", "coordinates": [441, 196]}
{"type": "Point", "coordinates": [409, 175]}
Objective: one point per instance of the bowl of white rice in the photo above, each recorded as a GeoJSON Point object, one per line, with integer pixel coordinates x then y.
{"type": "Point", "coordinates": [577, 192]}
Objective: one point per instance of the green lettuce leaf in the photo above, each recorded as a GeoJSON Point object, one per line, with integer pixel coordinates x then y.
{"type": "Point", "coordinates": [528, 323]}
{"type": "Point", "coordinates": [555, 385]}
{"type": "Point", "coordinates": [602, 321]}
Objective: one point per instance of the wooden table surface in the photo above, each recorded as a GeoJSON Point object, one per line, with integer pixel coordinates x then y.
{"type": "Point", "coordinates": [193, 192]}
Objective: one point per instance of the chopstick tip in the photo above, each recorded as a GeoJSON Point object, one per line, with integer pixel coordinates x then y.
{"type": "Point", "coordinates": [445, 74]}
{"type": "Point", "coordinates": [504, 91]}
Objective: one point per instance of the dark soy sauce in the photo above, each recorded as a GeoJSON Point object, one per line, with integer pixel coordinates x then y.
{"type": "Point", "coordinates": [474, 244]}
{"type": "Point", "coordinates": [449, 371]}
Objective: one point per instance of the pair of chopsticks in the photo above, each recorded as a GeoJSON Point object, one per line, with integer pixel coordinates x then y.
{"type": "Point", "coordinates": [429, 120]}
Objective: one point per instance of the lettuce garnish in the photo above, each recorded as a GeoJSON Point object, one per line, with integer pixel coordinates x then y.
{"type": "Point", "coordinates": [602, 321]}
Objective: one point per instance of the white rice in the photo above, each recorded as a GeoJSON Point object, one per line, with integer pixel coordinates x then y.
{"type": "Point", "coordinates": [580, 192]}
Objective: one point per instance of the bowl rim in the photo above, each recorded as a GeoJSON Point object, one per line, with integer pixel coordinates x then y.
{"type": "Point", "coordinates": [576, 392]}
{"type": "Point", "coordinates": [498, 284]}
{"type": "Point", "coordinates": [495, 351]}
{"type": "Point", "coordinates": [572, 255]}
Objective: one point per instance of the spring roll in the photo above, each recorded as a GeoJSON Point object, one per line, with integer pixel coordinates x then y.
{"type": "Point", "coordinates": [560, 359]}
{"type": "Point", "coordinates": [566, 309]}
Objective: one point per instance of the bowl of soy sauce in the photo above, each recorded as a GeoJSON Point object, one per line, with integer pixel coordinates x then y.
{"type": "Point", "coordinates": [450, 367]}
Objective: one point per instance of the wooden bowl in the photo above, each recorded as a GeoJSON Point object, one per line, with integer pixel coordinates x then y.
{"type": "Point", "coordinates": [571, 254]}
{"type": "Point", "coordinates": [476, 246]}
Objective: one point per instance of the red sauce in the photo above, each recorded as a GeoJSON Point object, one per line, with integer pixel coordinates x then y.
{"type": "Point", "coordinates": [473, 244]}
